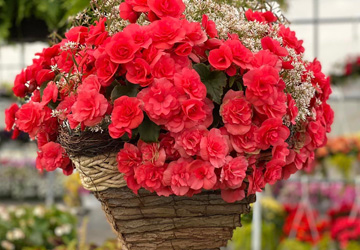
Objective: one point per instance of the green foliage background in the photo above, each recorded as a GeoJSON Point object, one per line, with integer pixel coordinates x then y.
{"type": "Point", "coordinates": [54, 13]}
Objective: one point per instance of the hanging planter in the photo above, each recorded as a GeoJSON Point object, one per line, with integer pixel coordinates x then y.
{"type": "Point", "coordinates": [175, 122]}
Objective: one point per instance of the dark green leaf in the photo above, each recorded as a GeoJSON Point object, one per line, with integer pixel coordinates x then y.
{"type": "Point", "coordinates": [215, 81]}
{"type": "Point", "coordinates": [239, 85]}
{"type": "Point", "coordinates": [148, 130]}
{"type": "Point", "coordinates": [231, 81]}
{"type": "Point", "coordinates": [121, 90]}
{"type": "Point", "coordinates": [42, 87]}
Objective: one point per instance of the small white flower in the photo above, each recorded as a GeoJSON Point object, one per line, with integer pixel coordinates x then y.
{"type": "Point", "coordinates": [19, 212]}
{"type": "Point", "coordinates": [7, 245]}
{"type": "Point", "coordinates": [63, 230]}
{"type": "Point", "coordinates": [39, 211]}
{"type": "Point", "coordinates": [18, 234]}
{"type": "Point", "coordinates": [10, 236]}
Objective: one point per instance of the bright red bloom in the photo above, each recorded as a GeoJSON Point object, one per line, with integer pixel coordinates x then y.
{"type": "Point", "coordinates": [232, 195]}
{"type": "Point", "coordinates": [89, 108]}
{"type": "Point", "coordinates": [256, 180]}
{"type": "Point", "coordinates": [29, 118]}
{"type": "Point", "coordinates": [245, 143]}
{"type": "Point", "coordinates": [221, 58]}
{"type": "Point", "coordinates": [50, 93]}
{"type": "Point", "coordinates": [128, 13]}
{"type": "Point", "coordinates": [234, 172]}
{"type": "Point", "coordinates": [202, 175]}
{"type": "Point", "coordinates": [77, 34]}
{"type": "Point", "coordinates": [105, 69]}
{"type": "Point", "coordinates": [261, 84]}
{"type": "Point", "coordinates": [189, 80]}
{"type": "Point", "coordinates": [152, 152]}
{"type": "Point", "coordinates": [289, 39]}
{"type": "Point", "coordinates": [265, 57]}
{"type": "Point", "coordinates": [194, 34]}
{"type": "Point", "coordinates": [273, 171]}
{"type": "Point", "coordinates": [44, 75]}
{"type": "Point", "coordinates": [139, 34]}
{"type": "Point", "coordinates": [126, 115]}
{"type": "Point", "coordinates": [90, 83]}
{"type": "Point", "coordinates": [150, 176]}
{"type": "Point", "coordinates": [121, 48]}
{"type": "Point", "coordinates": [194, 109]}
{"type": "Point", "coordinates": [236, 113]}
{"type": "Point", "coordinates": [53, 156]}
{"type": "Point", "coordinates": [261, 17]}
{"type": "Point", "coordinates": [209, 26]}
{"type": "Point", "coordinates": [242, 56]}
{"type": "Point", "coordinates": [164, 67]}
{"type": "Point", "coordinates": [317, 134]}
{"type": "Point", "coordinates": [139, 72]}
{"type": "Point", "coordinates": [10, 116]}
{"type": "Point", "coordinates": [128, 158]}
{"type": "Point", "coordinates": [214, 148]}
{"type": "Point", "coordinates": [160, 101]}
{"type": "Point", "coordinates": [165, 8]}
{"type": "Point", "coordinates": [166, 32]}
{"type": "Point", "coordinates": [188, 141]}
{"type": "Point", "coordinates": [292, 109]}
{"type": "Point", "coordinates": [19, 88]}
{"type": "Point", "coordinates": [177, 176]}
{"type": "Point", "coordinates": [97, 33]}
{"type": "Point", "coordinates": [167, 142]}
{"type": "Point", "coordinates": [272, 132]}
{"type": "Point", "coordinates": [274, 46]}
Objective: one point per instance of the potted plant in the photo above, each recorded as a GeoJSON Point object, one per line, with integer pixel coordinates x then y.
{"type": "Point", "coordinates": [175, 114]}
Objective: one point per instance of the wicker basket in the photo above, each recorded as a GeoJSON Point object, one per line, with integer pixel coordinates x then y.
{"type": "Point", "coordinates": [147, 221]}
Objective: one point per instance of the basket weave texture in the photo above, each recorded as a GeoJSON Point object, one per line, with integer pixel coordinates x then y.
{"type": "Point", "coordinates": [150, 222]}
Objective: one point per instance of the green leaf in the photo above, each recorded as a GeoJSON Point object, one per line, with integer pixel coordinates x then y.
{"type": "Point", "coordinates": [148, 130]}
{"type": "Point", "coordinates": [231, 81]}
{"type": "Point", "coordinates": [42, 87]}
{"type": "Point", "coordinates": [121, 90]}
{"type": "Point", "coordinates": [215, 81]}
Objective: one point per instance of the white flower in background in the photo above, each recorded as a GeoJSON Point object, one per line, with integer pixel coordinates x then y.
{"type": "Point", "coordinates": [63, 230]}
{"type": "Point", "coordinates": [39, 211]}
{"type": "Point", "coordinates": [4, 214]}
{"type": "Point", "coordinates": [15, 234]}
{"type": "Point", "coordinates": [10, 235]}
{"type": "Point", "coordinates": [61, 207]}
{"type": "Point", "coordinates": [7, 245]}
{"type": "Point", "coordinates": [18, 234]}
{"type": "Point", "coordinates": [11, 208]}
{"type": "Point", "coordinates": [19, 212]}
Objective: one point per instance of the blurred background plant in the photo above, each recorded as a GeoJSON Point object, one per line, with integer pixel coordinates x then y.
{"type": "Point", "coordinates": [26, 227]}
{"type": "Point", "coordinates": [22, 19]}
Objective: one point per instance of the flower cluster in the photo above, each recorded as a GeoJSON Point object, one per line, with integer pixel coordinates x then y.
{"type": "Point", "coordinates": [196, 110]}
{"type": "Point", "coordinates": [19, 227]}
{"type": "Point", "coordinates": [351, 69]}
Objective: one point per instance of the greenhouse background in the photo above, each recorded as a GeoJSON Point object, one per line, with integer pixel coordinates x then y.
{"type": "Point", "coordinates": [283, 218]}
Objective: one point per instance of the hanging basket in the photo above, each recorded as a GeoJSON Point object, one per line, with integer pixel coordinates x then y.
{"type": "Point", "coordinates": [148, 221]}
